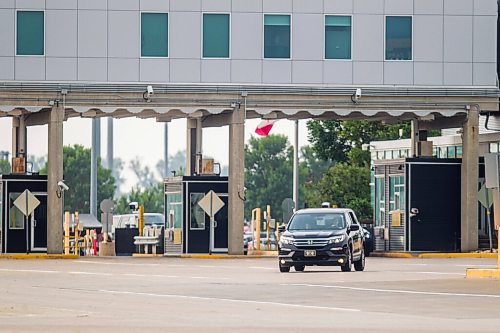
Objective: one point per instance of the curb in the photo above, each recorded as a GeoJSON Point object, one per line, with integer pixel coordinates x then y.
{"type": "Point", "coordinates": [433, 255]}
{"type": "Point", "coordinates": [228, 256]}
{"type": "Point", "coordinates": [38, 256]}
{"type": "Point", "coordinates": [475, 273]}
{"type": "Point", "coordinates": [146, 255]}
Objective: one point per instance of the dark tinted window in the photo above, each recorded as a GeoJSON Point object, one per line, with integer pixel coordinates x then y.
{"type": "Point", "coordinates": [331, 221]}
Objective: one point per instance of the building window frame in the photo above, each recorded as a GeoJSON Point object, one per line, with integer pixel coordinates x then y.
{"type": "Point", "coordinates": [16, 18]}
{"type": "Point", "coordinates": [203, 37]}
{"type": "Point", "coordinates": [324, 37]}
{"type": "Point", "coordinates": [290, 39]}
{"type": "Point", "coordinates": [141, 56]}
{"type": "Point", "coordinates": [412, 38]}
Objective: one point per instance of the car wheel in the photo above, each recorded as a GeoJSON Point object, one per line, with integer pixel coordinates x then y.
{"type": "Point", "coordinates": [284, 269]}
{"type": "Point", "coordinates": [300, 268]}
{"type": "Point", "coordinates": [347, 266]}
{"type": "Point", "coordinates": [360, 264]}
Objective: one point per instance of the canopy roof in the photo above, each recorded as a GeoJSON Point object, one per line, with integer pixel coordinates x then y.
{"type": "Point", "coordinates": [171, 101]}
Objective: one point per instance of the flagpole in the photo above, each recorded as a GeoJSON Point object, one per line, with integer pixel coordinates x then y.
{"type": "Point", "coordinates": [296, 166]}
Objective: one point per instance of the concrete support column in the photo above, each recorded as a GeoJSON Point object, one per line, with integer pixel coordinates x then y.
{"type": "Point", "coordinates": [15, 127]}
{"type": "Point", "coordinates": [469, 178]}
{"type": "Point", "coordinates": [236, 180]}
{"type": "Point", "coordinates": [166, 170]}
{"type": "Point", "coordinates": [190, 146]}
{"type": "Point", "coordinates": [94, 154]}
{"type": "Point", "coordinates": [55, 174]}
{"type": "Point", "coordinates": [193, 145]}
{"type": "Point", "coordinates": [109, 141]}
{"type": "Point", "coordinates": [414, 138]}
{"type": "Point", "coordinates": [296, 167]}
{"type": "Point", "coordinates": [21, 139]}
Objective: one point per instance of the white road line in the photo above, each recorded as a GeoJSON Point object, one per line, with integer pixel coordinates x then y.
{"type": "Point", "coordinates": [435, 273]}
{"type": "Point", "coordinates": [267, 268]}
{"type": "Point", "coordinates": [173, 276]}
{"type": "Point", "coordinates": [89, 273]}
{"type": "Point", "coordinates": [27, 270]}
{"type": "Point", "coordinates": [391, 290]}
{"type": "Point", "coordinates": [112, 263]}
{"type": "Point", "coordinates": [211, 299]}
{"type": "Point", "coordinates": [474, 265]}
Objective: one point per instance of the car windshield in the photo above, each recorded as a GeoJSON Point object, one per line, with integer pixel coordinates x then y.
{"type": "Point", "coordinates": [155, 219]}
{"type": "Point", "coordinates": [329, 221]}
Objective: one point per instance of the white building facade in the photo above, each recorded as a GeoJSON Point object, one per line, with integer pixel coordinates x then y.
{"type": "Point", "coordinates": [297, 42]}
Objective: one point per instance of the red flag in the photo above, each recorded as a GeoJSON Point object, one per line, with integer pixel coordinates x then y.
{"type": "Point", "coordinates": [264, 127]}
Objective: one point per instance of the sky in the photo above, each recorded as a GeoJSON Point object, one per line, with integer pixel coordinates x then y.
{"type": "Point", "coordinates": [144, 138]}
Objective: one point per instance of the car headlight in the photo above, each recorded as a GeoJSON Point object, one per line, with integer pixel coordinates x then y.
{"type": "Point", "coordinates": [336, 239]}
{"type": "Point", "coordinates": [286, 240]}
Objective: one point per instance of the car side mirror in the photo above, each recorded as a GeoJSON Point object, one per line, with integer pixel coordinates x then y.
{"type": "Point", "coordinates": [282, 228]}
{"type": "Point", "coordinates": [354, 227]}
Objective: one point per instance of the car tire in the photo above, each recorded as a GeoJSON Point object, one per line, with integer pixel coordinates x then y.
{"type": "Point", "coordinates": [284, 269]}
{"type": "Point", "coordinates": [300, 268]}
{"type": "Point", "coordinates": [359, 265]}
{"type": "Point", "coordinates": [348, 265]}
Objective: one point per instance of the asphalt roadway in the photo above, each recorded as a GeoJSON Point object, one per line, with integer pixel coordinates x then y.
{"type": "Point", "coordinates": [245, 295]}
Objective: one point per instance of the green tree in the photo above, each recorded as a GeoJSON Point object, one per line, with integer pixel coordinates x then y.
{"type": "Point", "coordinates": [77, 177]}
{"type": "Point", "coordinates": [332, 140]}
{"type": "Point", "coordinates": [268, 173]}
{"type": "Point", "coordinates": [347, 185]}
{"type": "Point", "coordinates": [4, 167]}
{"type": "Point", "coordinates": [151, 197]}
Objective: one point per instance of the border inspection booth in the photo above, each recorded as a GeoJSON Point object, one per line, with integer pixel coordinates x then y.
{"type": "Point", "coordinates": [17, 234]}
{"type": "Point", "coordinates": [188, 227]}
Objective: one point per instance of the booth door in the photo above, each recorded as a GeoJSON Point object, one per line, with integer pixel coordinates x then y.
{"type": "Point", "coordinates": [435, 192]}
{"type": "Point", "coordinates": [221, 230]}
{"type": "Point", "coordinates": [38, 225]}
{"type": "Point", "coordinates": [16, 231]}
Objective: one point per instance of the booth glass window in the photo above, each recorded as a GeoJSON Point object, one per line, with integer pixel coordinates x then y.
{"type": "Point", "coordinates": [337, 37]}
{"type": "Point", "coordinates": [442, 152]}
{"type": "Point", "coordinates": [277, 36]}
{"type": "Point", "coordinates": [215, 36]}
{"type": "Point", "coordinates": [396, 193]}
{"type": "Point", "coordinates": [452, 152]}
{"type": "Point", "coordinates": [154, 35]}
{"type": "Point", "coordinates": [459, 151]}
{"type": "Point", "coordinates": [494, 147]}
{"type": "Point", "coordinates": [379, 201]}
{"type": "Point", "coordinates": [197, 215]}
{"type": "Point", "coordinates": [16, 217]}
{"type": "Point", "coordinates": [173, 210]}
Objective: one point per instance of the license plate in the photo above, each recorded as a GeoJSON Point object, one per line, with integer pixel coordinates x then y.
{"type": "Point", "coordinates": [310, 253]}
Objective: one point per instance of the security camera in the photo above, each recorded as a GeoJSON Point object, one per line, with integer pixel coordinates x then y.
{"type": "Point", "coordinates": [62, 186]}
{"type": "Point", "coordinates": [358, 93]}
{"type": "Point", "coordinates": [133, 205]}
{"type": "Point", "coordinates": [356, 96]}
{"type": "Point", "coordinates": [148, 93]}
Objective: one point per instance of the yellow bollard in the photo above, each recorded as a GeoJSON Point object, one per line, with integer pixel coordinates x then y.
{"type": "Point", "coordinates": [141, 220]}
{"type": "Point", "coordinates": [66, 233]}
{"type": "Point", "coordinates": [77, 234]}
{"type": "Point", "coordinates": [256, 223]}
{"type": "Point", "coordinates": [268, 225]}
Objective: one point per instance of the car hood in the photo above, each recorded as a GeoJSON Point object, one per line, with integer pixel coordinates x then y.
{"type": "Point", "coordinates": [313, 233]}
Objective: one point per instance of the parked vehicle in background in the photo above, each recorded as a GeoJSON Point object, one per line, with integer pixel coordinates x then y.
{"type": "Point", "coordinates": [132, 221]}
{"type": "Point", "coordinates": [368, 244]}
{"type": "Point", "coordinates": [249, 242]}
{"type": "Point", "coordinates": [323, 237]}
